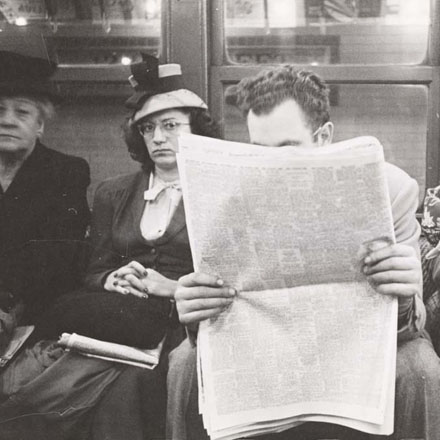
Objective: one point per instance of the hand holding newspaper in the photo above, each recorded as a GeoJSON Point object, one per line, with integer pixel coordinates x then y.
{"type": "Point", "coordinates": [307, 338]}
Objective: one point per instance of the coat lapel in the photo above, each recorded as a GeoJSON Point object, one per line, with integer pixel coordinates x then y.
{"type": "Point", "coordinates": [177, 223]}
{"type": "Point", "coordinates": [140, 185]}
{"type": "Point", "coordinates": [32, 175]}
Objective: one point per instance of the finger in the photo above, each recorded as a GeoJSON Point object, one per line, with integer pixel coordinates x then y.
{"type": "Point", "coordinates": [378, 243]}
{"type": "Point", "coordinates": [204, 292]}
{"type": "Point", "coordinates": [123, 290]}
{"type": "Point", "coordinates": [122, 282]}
{"type": "Point", "coordinates": [389, 252]}
{"type": "Point", "coordinates": [393, 263]}
{"type": "Point", "coordinates": [200, 315]}
{"type": "Point", "coordinates": [203, 304]}
{"type": "Point", "coordinates": [394, 276]}
{"type": "Point", "coordinates": [123, 271]}
{"type": "Point", "coordinates": [200, 279]}
{"type": "Point", "coordinates": [132, 291]}
{"type": "Point", "coordinates": [139, 269]}
{"type": "Point", "coordinates": [396, 289]}
{"type": "Point", "coordinates": [124, 287]}
{"type": "Point", "coordinates": [136, 283]}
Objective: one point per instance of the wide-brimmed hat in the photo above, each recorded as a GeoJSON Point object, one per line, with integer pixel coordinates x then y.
{"type": "Point", "coordinates": [158, 88]}
{"type": "Point", "coordinates": [26, 75]}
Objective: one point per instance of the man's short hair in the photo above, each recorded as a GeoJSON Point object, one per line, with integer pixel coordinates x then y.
{"type": "Point", "coordinates": [271, 87]}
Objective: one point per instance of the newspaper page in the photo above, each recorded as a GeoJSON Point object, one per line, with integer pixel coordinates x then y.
{"type": "Point", "coordinates": [111, 351]}
{"type": "Point", "coordinates": [306, 338]}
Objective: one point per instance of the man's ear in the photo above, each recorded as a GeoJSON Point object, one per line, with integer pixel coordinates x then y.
{"type": "Point", "coordinates": [325, 135]}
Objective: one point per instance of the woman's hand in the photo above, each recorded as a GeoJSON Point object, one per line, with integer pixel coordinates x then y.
{"type": "Point", "coordinates": [200, 296]}
{"type": "Point", "coordinates": [394, 270]}
{"type": "Point", "coordinates": [139, 281]}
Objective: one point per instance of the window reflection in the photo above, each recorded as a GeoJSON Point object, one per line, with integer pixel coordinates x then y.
{"type": "Point", "coordinates": [83, 31]}
{"type": "Point", "coordinates": [382, 111]}
{"type": "Point", "coordinates": [327, 31]}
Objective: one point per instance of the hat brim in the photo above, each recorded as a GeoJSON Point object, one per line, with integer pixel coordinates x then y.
{"type": "Point", "coordinates": [166, 101]}
{"type": "Point", "coordinates": [37, 90]}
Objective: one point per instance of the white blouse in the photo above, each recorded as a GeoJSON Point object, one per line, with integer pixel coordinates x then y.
{"type": "Point", "coordinates": [162, 199]}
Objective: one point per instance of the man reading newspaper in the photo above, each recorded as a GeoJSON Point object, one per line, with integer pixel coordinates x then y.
{"type": "Point", "coordinates": [286, 107]}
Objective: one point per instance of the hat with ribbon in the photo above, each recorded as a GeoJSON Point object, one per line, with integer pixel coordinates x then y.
{"type": "Point", "coordinates": [26, 75]}
{"type": "Point", "coordinates": [431, 220]}
{"type": "Point", "coordinates": [158, 88]}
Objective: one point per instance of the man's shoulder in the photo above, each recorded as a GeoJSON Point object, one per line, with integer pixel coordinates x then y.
{"type": "Point", "coordinates": [399, 182]}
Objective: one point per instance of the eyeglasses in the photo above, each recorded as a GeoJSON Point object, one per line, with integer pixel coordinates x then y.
{"type": "Point", "coordinates": [316, 132]}
{"type": "Point", "coordinates": [147, 129]}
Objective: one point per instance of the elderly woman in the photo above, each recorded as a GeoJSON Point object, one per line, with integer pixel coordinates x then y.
{"type": "Point", "coordinates": [141, 248]}
{"type": "Point", "coordinates": [43, 216]}
{"type": "Point", "coordinates": [43, 205]}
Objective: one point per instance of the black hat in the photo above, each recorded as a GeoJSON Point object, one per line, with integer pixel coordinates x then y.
{"type": "Point", "coordinates": [147, 79]}
{"type": "Point", "coordinates": [158, 88]}
{"type": "Point", "coordinates": [26, 75]}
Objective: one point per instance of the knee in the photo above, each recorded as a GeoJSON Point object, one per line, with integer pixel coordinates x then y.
{"type": "Point", "coordinates": [182, 358]}
{"type": "Point", "coordinates": [418, 362]}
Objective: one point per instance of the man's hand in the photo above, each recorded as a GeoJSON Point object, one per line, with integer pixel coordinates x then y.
{"type": "Point", "coordinates": [394, 270]}
{"type": "Point", "coordinates": [200, 296]}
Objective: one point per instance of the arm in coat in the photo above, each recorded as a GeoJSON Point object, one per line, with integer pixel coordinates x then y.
{"type": "Point", "coordinates": [404, 193]}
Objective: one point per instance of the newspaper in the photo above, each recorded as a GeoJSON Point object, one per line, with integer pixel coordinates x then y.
{"type": "Point", "coordinates": [307, 338]}
{"type": "Point", "coordinates": [148, 358]}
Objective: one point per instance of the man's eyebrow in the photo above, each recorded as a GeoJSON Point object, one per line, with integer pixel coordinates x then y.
{"type": "Point", "coordinates": [288, 143]}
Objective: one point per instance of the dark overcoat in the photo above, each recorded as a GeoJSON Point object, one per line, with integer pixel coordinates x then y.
{"type": "Point", "coordinates": [43, 219]}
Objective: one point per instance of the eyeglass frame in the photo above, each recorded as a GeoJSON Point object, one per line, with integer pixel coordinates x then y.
{"type": "Point", "coordinates": [161, 124]}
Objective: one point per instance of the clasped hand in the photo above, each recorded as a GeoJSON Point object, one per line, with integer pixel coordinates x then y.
{"type": "Point", "coordinates": [135, 279]}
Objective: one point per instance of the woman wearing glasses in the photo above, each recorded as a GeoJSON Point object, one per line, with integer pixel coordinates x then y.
{"type": "Point", "coordinates": [139, 230]}
{"type": "Point", "coordinates": [140, 248]}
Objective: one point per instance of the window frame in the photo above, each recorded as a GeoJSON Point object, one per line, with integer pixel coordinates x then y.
{"type": "Point", "coordinates": [81, 74]}
{"type": "Point", "coordinates": [427, 73]}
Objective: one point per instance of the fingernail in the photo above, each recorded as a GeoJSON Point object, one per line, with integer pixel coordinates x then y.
{"type": "Point", "coordinates": [144, 296]}
{"type": "Point", "coordinates": [115, 283]}
{"type": "Point", "coordinates": [126, 292]}
{"type": "Point", "coordinates": [145, 273]}
{"type": "Point", "coordinates": [367, 260]}
{"type": "Point", "coordinates": [220, 282]}
{"type": "Point", "coordinates": [146, 289]}
{"type": "Point", "coordinates": [232, 292]}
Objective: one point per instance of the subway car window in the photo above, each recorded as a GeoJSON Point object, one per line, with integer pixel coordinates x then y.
{"type": "Point", "coordinates": [103, 38]}
{"type": "Point", "coordinates": [323, 32]}
{"type": "Point", "coordinates": [395, 114]}
{"type": "Point", "coordinates": [78, 32]}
